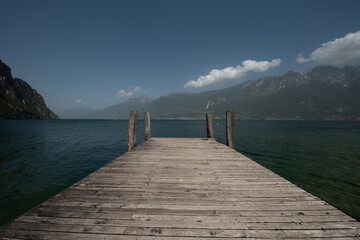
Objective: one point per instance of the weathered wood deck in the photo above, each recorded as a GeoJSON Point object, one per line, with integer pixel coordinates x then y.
{"type": "Point", "coordinates": [183, 188]}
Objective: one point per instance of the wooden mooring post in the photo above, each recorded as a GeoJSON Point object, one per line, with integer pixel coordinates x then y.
{"type": "Point", "coordinates": [209, 128]}
{"type": "Point", "coordinates": [230, 128]}
{"type": "Point", "coordinates": [147, 125]}
{"type": "Point", "coordinates": [131, 138]}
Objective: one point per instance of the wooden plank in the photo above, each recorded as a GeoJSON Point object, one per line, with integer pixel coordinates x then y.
{"type": "Point", "coordinates": [264, 219]}
{"type": "Point", "coordinates": [48, 235]}
{"type": "Point", "coordinates": [127, 213]}
{"type": "Point", "coordinates": [303, 225]}
{"type": "Point", "coordinates": [65, 226]}
{"type": "Point", "coordinates": [180, 188]}
{"type": "Point", "coordinates": [132, 223]}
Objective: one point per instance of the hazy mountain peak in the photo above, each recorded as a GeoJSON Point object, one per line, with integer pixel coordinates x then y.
{"type": "Point", "coordinates": [77, 112]}
{"type": "Point", "coordinates": [121, 110]}
{"type": "Point", "coordinates": [141, 99]}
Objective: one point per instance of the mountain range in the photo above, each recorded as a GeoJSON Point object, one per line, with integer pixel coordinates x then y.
{"type": "Point", "coordinates": [18, 99]}
{"type": "Point", "coordinates": [323, 93]}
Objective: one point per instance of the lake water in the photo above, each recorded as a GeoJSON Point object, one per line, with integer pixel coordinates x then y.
{"type": "Point", "coordinates": [39, 158]}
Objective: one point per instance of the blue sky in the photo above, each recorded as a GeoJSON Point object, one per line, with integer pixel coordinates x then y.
{"type": "Point", "coordinates": [99, 53]}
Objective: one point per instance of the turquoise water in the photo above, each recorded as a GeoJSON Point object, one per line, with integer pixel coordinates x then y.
{"type": "Point", "coordinates": [39, 158]}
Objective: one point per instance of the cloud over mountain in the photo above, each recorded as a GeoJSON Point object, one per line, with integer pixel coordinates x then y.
{"type": "Point", "coordinates": [229, 73]}
{"type": "Point", "coordinates": [128, 93]}
{"type": "Point", "coordinates": [80, 102]}
{"type": "Point", "coordinates": [345, 50]}
{"type": "Point", "coordinates": [301, 59]}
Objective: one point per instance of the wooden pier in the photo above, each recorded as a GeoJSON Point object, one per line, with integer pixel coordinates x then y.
{"type": "Point", "coordinates": [183, 188]}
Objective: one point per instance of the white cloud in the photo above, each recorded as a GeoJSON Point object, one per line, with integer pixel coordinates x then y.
{"type": "Point", "coordinates": [128, 93]}
{"type": "Point", "coordinates": [345, 50]}
{"type": "Point", "coordinates": [301, 59]}
{"type": "Point", "coordinates": [80, 102]}
{"type": "Point", "coordinates": [229, 73]}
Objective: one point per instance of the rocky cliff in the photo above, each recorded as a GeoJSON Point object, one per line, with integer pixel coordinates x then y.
{"type": "Point", "coordinates": [19, 100]}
